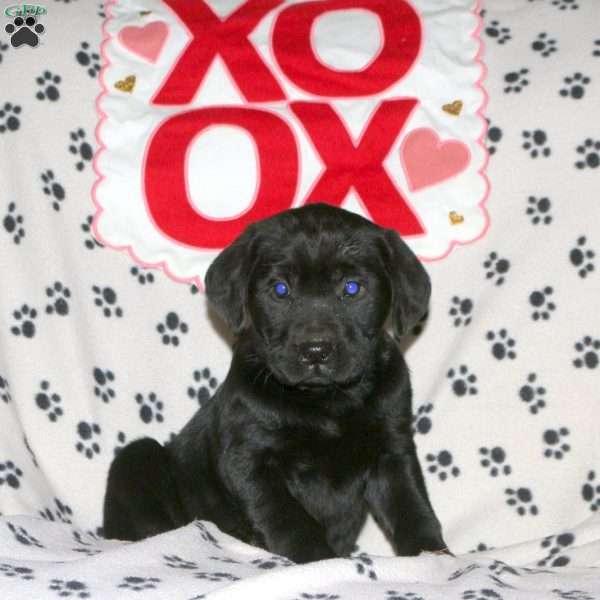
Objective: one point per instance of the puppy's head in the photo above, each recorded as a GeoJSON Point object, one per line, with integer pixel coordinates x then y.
{"type": "Point", "coordinates": [314, 287]}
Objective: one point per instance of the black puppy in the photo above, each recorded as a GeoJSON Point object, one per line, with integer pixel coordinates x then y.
{"type": "Point", "coordinates": [312, 425]}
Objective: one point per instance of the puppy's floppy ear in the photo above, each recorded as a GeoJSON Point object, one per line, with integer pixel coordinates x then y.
{"type": "Point", "coordinates": [226, 280]}
{"type": "Point", "coordinates": [410, 283]}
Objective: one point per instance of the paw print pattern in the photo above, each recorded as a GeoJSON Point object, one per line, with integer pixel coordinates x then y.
{"type": "Point", "coordinates": [493, 137]}
{"type": "Point", "coordinates": [545, 45]}
{"type": "Point", "coordinates": [24, 573]}
{"type": "Point", "coordinates": [88, 59]}
{"type": "Point", "coordinates": [176, 562]}
{"type": "Point", "coordinates": [364, 566]}
{"type": "Point", "coordinates": [496, 268]}
{"type": "Point", "coordinates": [483, 594]}
{"type": "Point", "coordinates": [461, 311]}
{"type": "Point", "coordinates": [533, 395]}
{"type": "Point", "coordinates": [53, 189]}
{"type": "Point", "coordinates": [590, 492]}
{"type": "Point", "coordinates": [538, 210]}
{"type": "Point", "coordinates": [272, 562]}
{"type": "Point", "coordinates": [497, 32]}
{"type": "Point", "coordinates": [88, 432]}
{"type": "Point", "coordinates": [494, 460]}
{"type": "Point", "coordinates": [142, 275]}
{"type": "Point", "coordinates": [535, 142]}
{"type": "Point", "coordinates": [463, 382]}
{"type": "Point", "coordinates": [442, 465]}
{"type": "Point", "coordinates": [9, 120]}
{"type": "Point", "coordinates": [59, 295]}
{"type": "Point", "coordinates": [13, 223]}
{"type": "Point", "coordinates": [565, 4]}
{"type": "Point", "coordinates": [588, 350]}
{"type": "Point", "coordinates": [121, 442]}
{"type": "Point", "coordinates": [90, 241]}
{"type": "Point", "coordinates": [595, 51]}
{"type": "Point", "coordinates": [3, 48]}
{"type": "Point", "coordinates": [23, 536]}
{"type": "Point", "coordinates": [582, 257]}
{"type": "Point", "coordinates": [393, 595]}
{"type": "Point", "coordinates": [502, 344]}
{"type": "Point", "coordinates": [522, 500]}
{"type": "Point", "coordinates": [102, 381]}
{"type": "Point", "coordinates": [48, 84]}
{"type": "Point", "coordinates": [69, 588]}
{"type": "Point", "coordinates": [24, 321]}
{"type": "Point", "coordinates": [574, 86]}
{"type": "Point", "coordinates": [49, 402]}
{"type": "Point", "coordinates": [590, 151]}
{"type": "Point", "coordinates": [556, 447]}
{"type": "Point", "coordinates": [556, 545]}
{"type": "Point", "coordinates": [4, 390]}
{"type": "Point", "coordinates": [170, 329]}
{"type": "Point", "coordinates": [10, 474]}
{"type": "Point", "coordinates": [60, 512]}
{"type": "Point", "coordinates": [542, 306]}
{"type": "Point", "coordinates": [106, 299]}
{"type": "Point", "coordinates": [151, 408]}
{"type": "Point", "coordinates": [80, 148]}
{"type": "Point", "coordinates": [516, 80]}
{"type": "Point", "coordinates": [422, 422]}
{"type": "Point", "coordinates": [139, 584]}
{"type": "Point", "coordinates": [204, 386]}
{"type": "Point", "coordinates": [24, 31]}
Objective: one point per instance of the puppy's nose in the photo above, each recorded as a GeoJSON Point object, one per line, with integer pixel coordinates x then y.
{"type": "Point", "coordinates": [315, 351]}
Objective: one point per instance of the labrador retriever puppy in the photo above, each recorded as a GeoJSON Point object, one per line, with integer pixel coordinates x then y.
{"type": "Point", "coordinates": [312, 426]}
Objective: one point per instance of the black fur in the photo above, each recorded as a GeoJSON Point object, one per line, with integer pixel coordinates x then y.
{"type": "Point", "coordinates": [312, 425]}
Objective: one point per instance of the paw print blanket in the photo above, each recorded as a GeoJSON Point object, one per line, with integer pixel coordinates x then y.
{"type": "Point", "coordinates": [470, 127]}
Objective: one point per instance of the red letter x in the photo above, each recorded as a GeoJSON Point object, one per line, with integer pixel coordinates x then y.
{"type": "Point", "coordinates": [360, 166]}
{"type": "Point", "coordinates": [228, 39]}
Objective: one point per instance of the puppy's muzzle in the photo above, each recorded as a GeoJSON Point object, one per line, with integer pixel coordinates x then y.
{"type": "Point", "coordinates": [315, 352]}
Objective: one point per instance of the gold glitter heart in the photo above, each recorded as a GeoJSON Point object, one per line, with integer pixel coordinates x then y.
{"type": "Point", "coordinates": [455, 218]}
{"type": "Point", "coordinates": [126, 85]}
{"type": "Point", "coordinates": [453, 108]}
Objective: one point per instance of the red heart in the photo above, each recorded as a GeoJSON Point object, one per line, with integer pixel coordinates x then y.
{"type": "Point", "coordinates": [427, 160]}
{"type": "Point", "coordinates": [146, 41]}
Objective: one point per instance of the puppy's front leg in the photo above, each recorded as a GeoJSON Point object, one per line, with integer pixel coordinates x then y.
{"type": "Point", "coordinates": [398, 499]}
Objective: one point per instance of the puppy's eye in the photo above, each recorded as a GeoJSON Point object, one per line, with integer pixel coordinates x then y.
{"type": "Point", "coordinates": [281, 290]}
{"type": "Point", "coordinates": [351, 288]}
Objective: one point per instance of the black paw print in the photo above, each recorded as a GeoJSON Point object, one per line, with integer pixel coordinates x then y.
{"type": "Point", "coordinates": [522, 500]}
{"type": "Point", "coordinates": [565, 4]}
{"type": "Point", "coordinates": [87, 444]}
{"type": "Point", "coordinates": [81, 148]}
{"type": "Point", "coordinates": [502, 344]}
{"type": "Point", "coordinates": [13, 223]}
{"type": "Point", "coordinates": [364, 565]}
{"type": "Point", "coordinates": [497, 32]}
{"type": "Point", "coordinates": [23, 536]}
{"type": "Point", "coordinates": [24, 321]}
{"type": "Point", "coordinates": [556, 544]}
{"type": "Point", "coordinates": [595, 52]}
{"type": "Point", "coordinates": [493, 137]}
{"type": "Point", "coordinates": [204, 386]}
{"type": "Point", "coordinates": [90, 241]}
{"type": "Point", "coordinates": [58, 295]}
{"type": "Point", "coordinates": [536, 143]}
{"type": "Point", "coordinates": [102, 381]}
{"type": "Point", "coordinates": [106, 299]}
{"type": "Point", "coordinates": [496, 268]}
{"type": "Point", "coordinates": [88, 59]}
{"type": "Point", "coordinates": [588, 350]}
{"type": "Point", "coordinates": [53, 189]}
{"type": "Point", "coordinates": [494, 459]}
{"type": "Point", "coordinates": [461, 310]}
{"type": "Point", "coordinates": [24, 31]}
{"type": "Point", "coordinates": [590, 149]}
{"type": "Point", "coordinates": [176, 562]}
{"type": "Point", "coordinates": [8, 117]}
{"type": "Point", "coordinates": [575, 86]}
{"type": "Point", "coordinates": [582, 257]}
{"type": "Point", "coordinates": [4, 390]}
{"type": "Point", "coordinates": [590, 491]}
{"type": "Point", "coordinates": [441, 464]}
{"type": "Point", "coordinates": [121, 442]}
{"type": "Point", "coordinates": [516, 80]}
{"type": "Point", "coordinates": [463, 382]}
{"type": "Point", "coordinates": [24, 573]}
{"type": "Point", "coordinates": [273, 562]}
{"type": "Point", "coordinates": [139, 584]}
{"type": "Point", "coordinates": [10, 474]}
{"type": "Point", "coordinates": [393, 595]}
{"type": "Point", "coordinates": [539, 210]}
{"type": "Point", "coordinates": [69, 588]}
{"type": "Point", "coordinates": [60, 512]}
{"type": "Point", "coordinates": [544, 45]}
{"type": "Point", "coordinates": [49, 402]}
{"type": "Point", "coordinates": [3, 48]}
{"type": "Point", "coordinates": [543, 307]}
{"type": "Point", "coordinates": [422, 422]}
{"type": "Point", "coordinates": [533, 394]}
{"type": "Point", "coordinates": [143, 276]}
{"type": "Point", "coordinates": [555, 446]}
{"type": "Point", "coordinates": [483, 594]}
{"type": "Point", "coordinates": [215, 576]}
{"type": "Point", "coordinates": [170, 328]}
{"type": "Point", "coordinates": [151, 408]}
{"type": "Point", "coordinates": [48, 83]}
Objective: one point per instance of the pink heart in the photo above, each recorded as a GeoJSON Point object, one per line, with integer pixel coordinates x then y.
{"type": "Point", "coordinates": [427, 160]}
{"type": "Point", "coordinates": [146, 41]}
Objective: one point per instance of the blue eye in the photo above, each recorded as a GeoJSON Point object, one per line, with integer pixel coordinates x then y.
{"type": "Point", "coordinates": [281, 290]}
{"type": "Point", "coordinates": [351, 288]}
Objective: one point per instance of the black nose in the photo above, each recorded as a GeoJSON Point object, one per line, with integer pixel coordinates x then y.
{"type": "Point", "coordinates": [315, 352]}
